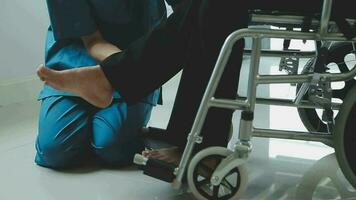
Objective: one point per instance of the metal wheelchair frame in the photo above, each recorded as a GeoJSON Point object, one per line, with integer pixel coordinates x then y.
{"type": "Point", "coordinates": [247, 105]}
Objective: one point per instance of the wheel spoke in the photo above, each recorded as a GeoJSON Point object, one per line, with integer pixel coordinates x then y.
{"type": "Point", "coordinates": [343, 67]}
{"type": "Point", "coordinates": [206, 169]}
{"type": "Point", "coordinates": [203, 182]}
{"type": "Point", "coordinates": [227, 185]}
{"type": "Point", "coordinates": [232, 172]}
{"type": "Point", "coordinates": [340, 94]}
{"type": "Point", "coordinates": [336, 62]}
{"type": "Point", "coordinates": [216, 192]}
{"type": "Point", "coordinates": [200, 184]}
{"type": "Point", "coordinates": [349, 84]}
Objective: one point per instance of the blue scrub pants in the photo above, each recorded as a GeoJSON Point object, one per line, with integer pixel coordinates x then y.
{"type": "Point", "coordinates": [71, 132]}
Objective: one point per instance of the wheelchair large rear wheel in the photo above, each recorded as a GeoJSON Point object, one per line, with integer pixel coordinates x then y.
{"type": "Point", "coordinates": [336, 59]}
{"type": "Point", "coordinates": [345, 137]}
{"type": "Point", "coordinates": [324, 172]}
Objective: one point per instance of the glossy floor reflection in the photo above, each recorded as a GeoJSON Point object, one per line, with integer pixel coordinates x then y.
{"type": "Point", "coordinates": [286, 177]}
{"type": "Point", "coordinates": [278, 177]}
{"type": "Point", "coordinates": [278, 169]}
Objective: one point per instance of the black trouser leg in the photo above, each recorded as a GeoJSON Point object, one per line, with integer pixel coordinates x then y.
{"type": "Point", "coordinates": [217, 19]}
{"type": "Point", "coordinates": [191, 39]}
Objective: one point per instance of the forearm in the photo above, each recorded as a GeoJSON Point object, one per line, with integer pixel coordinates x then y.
{"type": "Point", "coordinates": [98, 47]}
{"type": "Point", "coordinates": [101, 50]}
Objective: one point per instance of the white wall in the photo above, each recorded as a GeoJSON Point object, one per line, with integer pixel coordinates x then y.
{"type": "Point", "coordinates": [23, 25]}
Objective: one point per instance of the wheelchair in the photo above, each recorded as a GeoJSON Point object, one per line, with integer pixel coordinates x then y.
{"type": "Point", "coordinates": [228, 179]}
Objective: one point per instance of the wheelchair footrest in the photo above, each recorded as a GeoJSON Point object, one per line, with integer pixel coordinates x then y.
{"type": "Point", "coordinates": [156, 168]}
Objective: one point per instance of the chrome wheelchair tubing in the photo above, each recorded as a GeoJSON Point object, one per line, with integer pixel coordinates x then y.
{"type": "Point", "coordinates": [293, 135]}
{"type": "Point", "coordinates": [325, 17]}
{"type": "Point", "coordinates": [283, 34]}
{"type": "Point", "coordinates": [253, 73]}
{"type": "Point", "coordinates": [290, 103]}
{"type": "Point", "coordinates": [204, 106]}
{"type": "Point", "coordinates": [230, 104]}
{"type": "Point", "coordinates": [296, 21]}
{"type": "Point", "coordinates": [287, 20]}
{"type": "Point", "coordinates": [282, 20]}
{"type": "Point", "coordinates": [289, 53]}
{"type": "Point", "coordinates": [242, 104]}
{"type": "Point", "coordinates": [246, 125]}
{"type": "Point", "coordinates": [254, 80]}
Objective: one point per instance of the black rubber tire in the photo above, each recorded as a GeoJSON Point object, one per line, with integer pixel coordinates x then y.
{"type": "Point", "coordinates": [197, 186]}
{"type": "Point", "coordinates": [326, 167]}
{"type": "Point", "coordinates": [345, 137]}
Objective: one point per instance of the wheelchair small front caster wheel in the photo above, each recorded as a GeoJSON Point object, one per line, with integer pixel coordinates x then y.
{"type": "Point", "coordinates": [201, 169]}
{"type": "Point", "coordinates": [345, 137]}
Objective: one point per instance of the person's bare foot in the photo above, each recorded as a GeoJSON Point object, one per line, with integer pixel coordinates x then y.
{"type": "Point", "coordinates": [89, 83]}
{"type": "Point", "coordinates": [173, 155]}
{"type": "Point", "coordinates": [170, 155]}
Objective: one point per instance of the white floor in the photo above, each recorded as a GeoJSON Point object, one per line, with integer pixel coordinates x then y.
{"type": "Point", "coordinates": [21, 179]}
{"type": "Point", "coordinates": [278, 169]}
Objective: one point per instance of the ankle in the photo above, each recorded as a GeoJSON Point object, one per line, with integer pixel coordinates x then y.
{"type": "Point", "coordinates": [102, 77]}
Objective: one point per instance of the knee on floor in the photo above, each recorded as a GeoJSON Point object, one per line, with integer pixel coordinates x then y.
{"type": "Point", "coordinates": [56, 155]}
{"type": "Point", "coordinates": [117, 154]}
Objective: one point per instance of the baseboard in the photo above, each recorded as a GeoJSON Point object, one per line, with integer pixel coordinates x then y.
{"type": "Point", "coordinates": [19, 90]}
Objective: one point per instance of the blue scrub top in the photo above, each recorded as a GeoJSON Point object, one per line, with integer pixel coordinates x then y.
{"type": "Point", "coordinates": [119, 21]}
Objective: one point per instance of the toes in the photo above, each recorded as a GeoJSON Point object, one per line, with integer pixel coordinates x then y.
{"type": "Point", "coordinates": [39, 72]}
{"type": "Point", "coordinates": [153, 154]}
{"type": "Point", "coordinates": [162, 154]}
{"type": "Point", "coordinates": [41, 77]}
{"type": "Point", "coordinates": [45, 73]}
{"type": "Point", "coordinates": [145, 153]}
